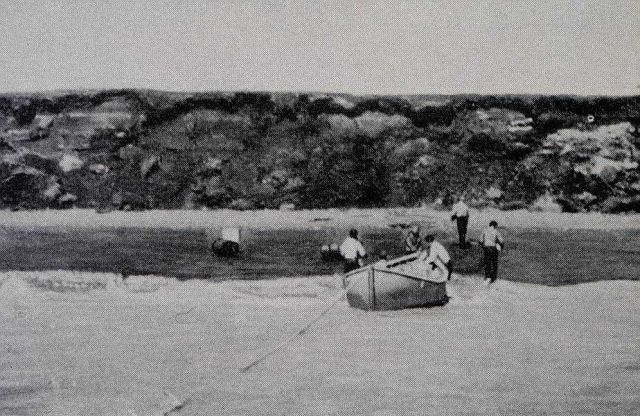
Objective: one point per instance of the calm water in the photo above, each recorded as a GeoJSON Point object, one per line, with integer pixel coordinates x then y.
{"type": "Point", "coordinates": [548, 257]}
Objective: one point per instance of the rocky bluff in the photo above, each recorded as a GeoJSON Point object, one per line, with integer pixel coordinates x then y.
{"type": "Point", "coordinates": [141, 149]}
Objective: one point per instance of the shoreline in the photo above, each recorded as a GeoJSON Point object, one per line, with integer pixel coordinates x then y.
{"type": "Point", "coordinates": [312, 219]}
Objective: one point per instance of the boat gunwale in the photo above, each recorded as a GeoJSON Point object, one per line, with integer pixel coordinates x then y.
{"type": "Point", "coordinates": [410, 276]}
{"type": "Point", "coordinates": [390, 271]}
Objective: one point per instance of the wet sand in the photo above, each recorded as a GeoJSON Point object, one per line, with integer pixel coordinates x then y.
{"type": "Point", "coordinates": [149, 345]}
{"type": "Point", "coordinates": [546, 256]}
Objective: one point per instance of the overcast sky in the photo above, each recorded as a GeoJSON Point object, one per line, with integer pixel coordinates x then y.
{"type": "Point", "coordinates": [444, 46]}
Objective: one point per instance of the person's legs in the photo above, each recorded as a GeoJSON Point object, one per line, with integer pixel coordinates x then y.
{"type": "Point", "coordinates": [449, 267]}
{"type": "Point", "coordinates": [494, 266]}
{"type": "Point", "coordinates": [350, 265]}
{"type": "Point", "coordinates": [462, 223]}
{"type": "Point", "coordinates": [487, 262]}
{"type": "Point", "coordinates": [491, 267]}
{"type": "Point", "coordinates": [465, 223]}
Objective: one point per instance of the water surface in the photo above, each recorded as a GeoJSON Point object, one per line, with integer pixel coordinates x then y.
{"type": "Point", "coordinates": [537, 256]}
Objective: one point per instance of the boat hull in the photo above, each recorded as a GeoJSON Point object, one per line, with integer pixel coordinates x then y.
{"type": "Point", "coordinates": [373, 288]}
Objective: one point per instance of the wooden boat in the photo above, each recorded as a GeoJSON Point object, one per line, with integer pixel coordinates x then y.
{"type": "Point", "coordinates": [396, 284]}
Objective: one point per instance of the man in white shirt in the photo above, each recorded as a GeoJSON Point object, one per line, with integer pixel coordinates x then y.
{"type": "Point", "coordinates": [435, 250]}
{"type": "Point", "coordinates": [437, 271]}
{"type": "Point", "coordinates": [352, 251]}
{"type": "Point", "coordinates": [492, 243]}
{"type": "Point", "coordinates": [460, 214]}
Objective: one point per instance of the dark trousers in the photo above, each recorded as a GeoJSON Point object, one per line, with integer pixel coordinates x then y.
{"type": "Point", "coordinates": [462, 223]}
{"type": "Point", "coordinates": [350, 265]}
{"type": "Point", "coordinates": [449, 266]}
{"type": "Point", "coordinates": [491, 263]}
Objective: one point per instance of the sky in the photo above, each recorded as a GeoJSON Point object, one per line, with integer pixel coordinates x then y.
{"type": "Point", "coordinates": [365, 47]}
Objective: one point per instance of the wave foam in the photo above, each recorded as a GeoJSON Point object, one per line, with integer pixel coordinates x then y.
{"type": "Point", "coordinates": [21, 282]}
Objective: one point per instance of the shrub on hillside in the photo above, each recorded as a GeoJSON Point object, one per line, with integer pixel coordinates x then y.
{"type": "Point", "coordinates": [325, 105]}
{"type": "Point", "coordinates": [547, 123]}
{"type": "Point", "coordinates": [429, 115]}
{"type": "Point", "coordinates": [526, 184]}
{"type": "Point", "coordinates": [24, 113]}
{"type": "Point", "coordinates": [485, 145]}
{"type": "Point", "coordinates": [514, 205]}
{"type": "Point", "coordinates": [617, 204]}
{"type": "Point", "coordinates": [348, 172]}
{"type": "Point", "coordinates": [23, 187]}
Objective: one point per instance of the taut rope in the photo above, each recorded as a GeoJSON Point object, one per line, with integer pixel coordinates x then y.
{"type": "Point", "coordinates": [305, 328]}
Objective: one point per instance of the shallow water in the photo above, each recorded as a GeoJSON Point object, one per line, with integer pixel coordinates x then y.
{"type": "Point", "coordinates": [551, 257]}
{"type": "Point", "coordinates": [148, 344]}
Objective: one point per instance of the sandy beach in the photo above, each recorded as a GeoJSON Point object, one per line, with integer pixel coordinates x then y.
{"type": "Point", "coordinates": [305, 219]}
{"type": "Point", "coordinates": [148, 345]}
{"type": "Point", "coordinates": [88, 343]}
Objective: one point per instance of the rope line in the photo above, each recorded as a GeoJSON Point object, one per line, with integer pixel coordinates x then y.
{"type": "Point", "coordinates": [304, 329]}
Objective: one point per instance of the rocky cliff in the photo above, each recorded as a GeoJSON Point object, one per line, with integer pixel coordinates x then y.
{"type": "Point", "coordinates": [137, 149]}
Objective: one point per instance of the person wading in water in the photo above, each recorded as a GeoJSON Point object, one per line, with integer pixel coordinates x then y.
{"type": "Point", "coordinates": [492, 243]}
{"type": "Point", "coordinates": [352, 251]}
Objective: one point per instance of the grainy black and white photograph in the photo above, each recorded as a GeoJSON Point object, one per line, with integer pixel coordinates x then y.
{"type": "Point", "coordinates": [319, 208]}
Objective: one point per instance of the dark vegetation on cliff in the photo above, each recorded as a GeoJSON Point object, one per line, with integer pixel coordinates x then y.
{"type": "Point", "coordinates": [140, 149]}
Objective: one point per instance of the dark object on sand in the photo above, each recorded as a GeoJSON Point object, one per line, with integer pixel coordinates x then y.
{"type": "Point", "coordinates": [399, 225]}
{"type": "Point", "coordinates": [225, 248]}
{"type": "Point", "coordinates": [229, 244]}
{"type": "Point", "coordinates": [393, 285]}
{"type": "Point", "coordinates": [321, 219]}
{"type": "Point", "coordinates": [330, 252]}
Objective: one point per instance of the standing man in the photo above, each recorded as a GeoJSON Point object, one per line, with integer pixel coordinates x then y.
{"type": "Point", "coordinates": [460, 214]}
{"type": "Point", "coordinates": [413, 242]}
{"type": "Point", "coordinates": [435, 250]}
{"type": "Point", "coordinates": [492, 243]}
{"type": "Point", "coordinates": [352, 251]}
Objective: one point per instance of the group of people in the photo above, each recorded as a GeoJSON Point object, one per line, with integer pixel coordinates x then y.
{"type": "Point", "coordinates": [432, 252]}
{"type": "Point", "coordinates": [491, 239]}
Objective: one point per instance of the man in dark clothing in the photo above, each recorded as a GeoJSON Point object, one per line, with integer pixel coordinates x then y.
{"type": "Point", "coordinates": [492, 243]}
{"type": "Point", "coordinates": [460, 215]}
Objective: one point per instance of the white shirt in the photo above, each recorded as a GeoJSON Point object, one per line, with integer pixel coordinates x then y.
{"type": "Point", "coordinates": [437, 250]}
{"type": "Point", "coordinates": [439, 274]}
{"type": "Point", "coordinates": [460, 209]}
{"type": "Point", "coordinates": [351, 249]}
{"type": "Point", "coordinates": [491, 237]}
